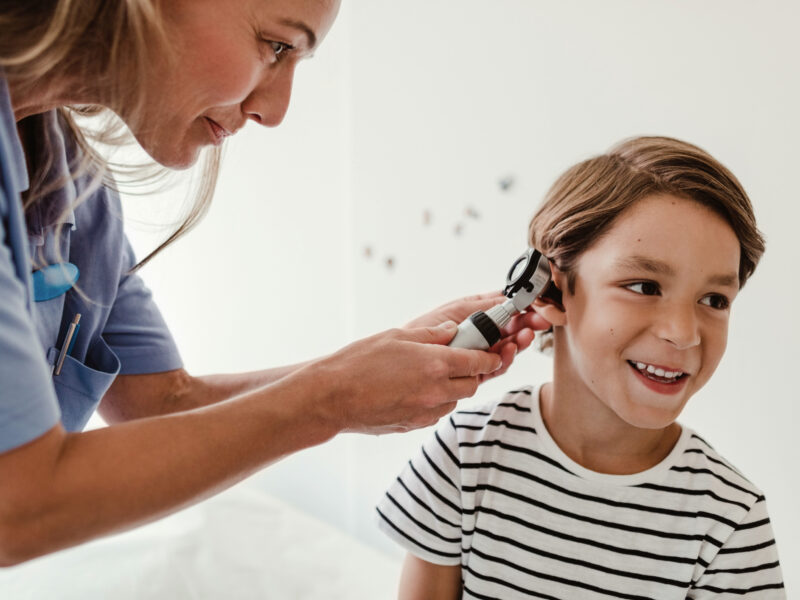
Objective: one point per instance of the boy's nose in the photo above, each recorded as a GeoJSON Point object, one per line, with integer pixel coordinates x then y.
{"type": "Point", "coordinates": [677, 324]}
{"type": "Point", "coordinates": [268, 103]}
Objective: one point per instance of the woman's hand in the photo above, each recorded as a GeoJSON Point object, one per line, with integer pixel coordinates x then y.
{"type": "Point", "coordinates": [399, 380]}
{"type": "Point", "coordinates": [517, 334]}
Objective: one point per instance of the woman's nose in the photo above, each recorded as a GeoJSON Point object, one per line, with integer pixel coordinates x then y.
{"type": "Point", "coordinates": [677, 324]}
{"type": "Point", "coordinates": [268, 103]}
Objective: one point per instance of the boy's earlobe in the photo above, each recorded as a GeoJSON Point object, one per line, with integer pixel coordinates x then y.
{"type": "Point", "coordinates": [554, 313]}
{"type": "Point", "coordinates": [549, 304]}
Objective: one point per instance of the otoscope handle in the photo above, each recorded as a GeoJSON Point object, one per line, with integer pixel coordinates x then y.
{"type": "Point", "coordinates": [481, 330]}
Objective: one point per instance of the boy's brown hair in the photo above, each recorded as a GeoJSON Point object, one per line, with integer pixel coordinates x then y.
{"type": "Point", "coordinates": [583, 203]}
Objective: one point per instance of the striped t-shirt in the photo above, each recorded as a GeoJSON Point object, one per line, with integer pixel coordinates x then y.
{"type": "Point", "coordinates": [492, 491]}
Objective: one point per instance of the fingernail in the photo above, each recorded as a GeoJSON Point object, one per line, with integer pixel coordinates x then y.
{"type": "Point", "coordinates": [448, 325]}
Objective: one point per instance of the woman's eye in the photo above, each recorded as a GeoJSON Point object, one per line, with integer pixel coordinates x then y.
{"type": "Point", "coordinates": [646, 288]}
{"type": "Point", "coordinates": [716, 301]}
{"type": "Point", "coordinates": [279, 48]}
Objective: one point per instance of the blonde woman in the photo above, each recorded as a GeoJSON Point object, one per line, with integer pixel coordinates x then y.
{"type": "Point", "coordinates": [78, 329]}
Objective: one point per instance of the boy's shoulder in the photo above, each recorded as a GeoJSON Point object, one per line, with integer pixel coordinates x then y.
{"type": "Point", "coordinates": [703, 466]}
{"type": "Point", "coordinates": [511, 420]}
{"type": "Point", "coordinates": [520, 399]}
{"type": "Point", "coordinates": [516, 407]}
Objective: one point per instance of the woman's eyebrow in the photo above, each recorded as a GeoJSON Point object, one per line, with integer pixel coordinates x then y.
{"type": "Point", "coordinates": [311, 37]}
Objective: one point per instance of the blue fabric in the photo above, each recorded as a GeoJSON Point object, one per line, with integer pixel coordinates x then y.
{"type": "Point", "coordinates": [121, 329]}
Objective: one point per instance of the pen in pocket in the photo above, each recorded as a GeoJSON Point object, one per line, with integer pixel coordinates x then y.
{"type": "Point", "coordinates": [69, 342]}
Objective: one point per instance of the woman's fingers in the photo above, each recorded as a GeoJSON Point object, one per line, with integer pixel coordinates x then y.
{"type": "Point", "coordinates": [458, 310]}
{"type": "Point", "coordinates": [471, 363]}
{"type": "Point", "coordinates": [524, 339]}
{"type": "Point", "coordinates": [446, 366]}
{"type": "Point", "coordinates": [526, 320]}
{"type": "Point", "coordinates": [439, 334]}
{"type": "Point", "coordinates": [460, 362]}
{"type": "Point", "coordinates": [401, 379]}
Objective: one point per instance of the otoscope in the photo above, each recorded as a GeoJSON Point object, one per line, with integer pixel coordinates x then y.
{"type": "Point", "coordinates": [527, 278]}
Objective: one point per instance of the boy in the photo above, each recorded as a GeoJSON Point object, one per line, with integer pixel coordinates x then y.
{"type": "Point", "coordinates": [586, 487]}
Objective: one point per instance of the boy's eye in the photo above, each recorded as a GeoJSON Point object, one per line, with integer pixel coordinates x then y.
{"type": "Point", "coordinates": [717, 301]}
{"type": "Point", "coordinates": [646, 288]}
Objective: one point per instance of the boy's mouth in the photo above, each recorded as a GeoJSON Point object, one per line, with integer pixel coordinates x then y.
{"type": "Point", "coordinates": [657, 374]}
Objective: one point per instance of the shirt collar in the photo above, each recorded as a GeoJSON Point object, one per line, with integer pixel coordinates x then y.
{"type": "Point", "coordinates": [57, 152]}
{"type": "Point", "coordinates": [18, 171]}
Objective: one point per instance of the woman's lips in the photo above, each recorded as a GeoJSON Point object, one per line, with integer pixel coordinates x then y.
{"type": "Point", "coordinates": [218, 132]}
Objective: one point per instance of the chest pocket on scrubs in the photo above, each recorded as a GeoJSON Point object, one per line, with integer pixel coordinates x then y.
{"type": "Point", "coordinates": [81, 386]}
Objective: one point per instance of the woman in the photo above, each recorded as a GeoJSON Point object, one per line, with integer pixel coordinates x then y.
{"type": "Point", "coordinates": [182, 75]}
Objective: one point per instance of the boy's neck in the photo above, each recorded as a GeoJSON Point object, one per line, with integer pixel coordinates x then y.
{"type": "Point", "coordinates": [592, 435]}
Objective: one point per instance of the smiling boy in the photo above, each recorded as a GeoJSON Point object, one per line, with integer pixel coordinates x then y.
{"type": "Point", "coordinates": [586, 486]}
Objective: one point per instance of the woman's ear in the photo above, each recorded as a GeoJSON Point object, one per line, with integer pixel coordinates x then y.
{"type": "Point", "coordinates": [547, 305]}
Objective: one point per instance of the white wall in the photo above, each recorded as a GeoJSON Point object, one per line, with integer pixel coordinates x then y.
{"type": "Point", "coordinates": [423, 105]}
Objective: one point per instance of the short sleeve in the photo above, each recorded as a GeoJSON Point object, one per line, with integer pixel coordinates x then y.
{"type": "Point", "coordinates": [747, 564]}
{"type": "Point", "coordinates": [135, 330]}
{"type": "Point", "coordinates": [28, 403]}
{"type": "Point", "coordinates": [422, 510]}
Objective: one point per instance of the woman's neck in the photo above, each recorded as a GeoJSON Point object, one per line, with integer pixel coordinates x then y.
{"type": "Point", "coordinates": [35, 98]}
{"type": "Point", "coordinates": [595, 437]}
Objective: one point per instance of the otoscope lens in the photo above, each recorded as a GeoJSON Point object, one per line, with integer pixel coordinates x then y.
{"type": "Point", "coordinates": [518, 268]}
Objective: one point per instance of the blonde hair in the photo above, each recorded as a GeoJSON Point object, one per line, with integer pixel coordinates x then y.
{"type": "Point", "coordinates": [106, 45]}
{"type": "Point", "coordinates": [584, 202]}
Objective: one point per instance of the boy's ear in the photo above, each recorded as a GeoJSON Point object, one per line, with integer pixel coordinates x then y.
{"type": "Point", "coordinates": [549, 305]}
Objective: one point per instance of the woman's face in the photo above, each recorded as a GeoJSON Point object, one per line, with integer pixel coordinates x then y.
{"type": "Point", "coordinates": [234, 61]}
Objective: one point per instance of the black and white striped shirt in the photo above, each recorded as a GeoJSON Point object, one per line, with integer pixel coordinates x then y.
{"type": "Point", "coordinates": [491, 491]}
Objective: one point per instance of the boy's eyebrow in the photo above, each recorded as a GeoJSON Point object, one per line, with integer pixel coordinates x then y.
{"type": "Point", "coordinates": [658, 267]}
{"type": "Point", "coordinates": [648, 264]}
{"type": "Point", "coordinates": [729, 280]}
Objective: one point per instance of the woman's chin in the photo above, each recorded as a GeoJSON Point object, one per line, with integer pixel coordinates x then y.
{"type": "Point", "coordinates": [182, 163]}
{"type": "Point", "coordinates": [173, 154]}
{"type": "Point", "coordinates": [175, 158]}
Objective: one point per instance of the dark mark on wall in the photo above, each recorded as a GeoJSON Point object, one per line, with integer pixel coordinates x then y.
{"type": "Point", "coordinates": [506, 183]}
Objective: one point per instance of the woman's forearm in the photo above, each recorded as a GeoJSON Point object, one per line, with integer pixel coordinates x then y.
{"type": "Point", "coordinates": [227, 385]}
{"type": "Point", "coordinates": [72, 488]}
{"type": "Point", "coordinates": [153, 394]}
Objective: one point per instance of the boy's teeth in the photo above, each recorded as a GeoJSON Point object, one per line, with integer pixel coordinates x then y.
{"type": "Point", "coordinates": [658, 372]}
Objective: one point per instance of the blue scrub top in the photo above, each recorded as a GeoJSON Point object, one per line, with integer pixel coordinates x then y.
{"type": "Point", "coordinates": [121, 329]}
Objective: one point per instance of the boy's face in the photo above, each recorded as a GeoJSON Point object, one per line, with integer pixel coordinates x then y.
{"type": "Point", "coordinates": [652, 294]}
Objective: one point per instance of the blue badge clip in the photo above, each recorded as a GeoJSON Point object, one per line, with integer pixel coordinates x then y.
{"type": "Point", "coordinates": [54, 280]}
